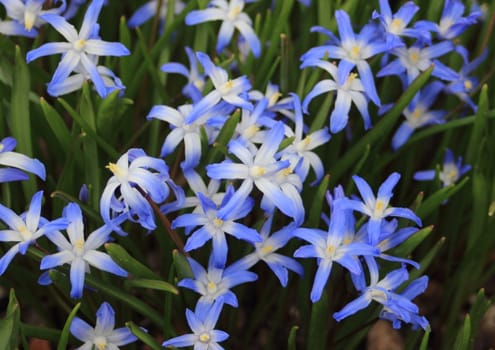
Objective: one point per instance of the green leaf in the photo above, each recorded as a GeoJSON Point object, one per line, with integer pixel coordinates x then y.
{"type": "Point", "coordinates": [439, 197]}
{"type": "Point", "coordinates": [57, 125]}
{"type": "Point", "coordinates": [426, 261]}
{"type": "Point", "coordinates": [143, 336]}
{"type": "Point", "coordinates": [20, 115]}
{"type": "Point", "coordinates": [128, 263]}
{"type": "Point", "coordinates": [224, 137]}
{"type": "Point", "coordinates": [86, 127]}
{"type": "Point", "coordinates": [292, 338]}
{"type": "Point", "coordinates": [9, 325]}
{"type": "Point", "coordinates": [152, 284]}
{"type": "Point", "coordinates": [412, 242]}
{"type": "Point", "coordinates": [182, 265]}
{"type": "Point", "coordinates": [318, 324]}
{"type": "Point", "coordinates": [479, 127]}
{"type": "Point", "coordinates": [478, 309]}
{"type": "Point", "coordinates": [64, 336]}
{"type": "Point", "coordinates": [462, 340]}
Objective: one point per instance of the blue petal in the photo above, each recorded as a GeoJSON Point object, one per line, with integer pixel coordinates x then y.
{"type": "Point", "coordinates": [321, 279]}
{"type": "Point", "coordinates": [23, 162]}
{"type": "Point", "coordinates": [81, 330]}
{"type": "Point", "coordinates": [77, 273]}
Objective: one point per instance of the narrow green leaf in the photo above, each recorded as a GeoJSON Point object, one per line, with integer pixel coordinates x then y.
{"type": "Point", "coordinates": [111, 152]}
{"type": "Point", "coordinates": [64, 336]}
{"type": "Point", "coordinates": [9, 326]}
{"type": "Point", "coordinates": [292, 338]}
{"type": "Point", "coordinates": [128, 263]}
{"type": "Point", "coordinates": [182, 265]}
{"type": "Point", "coordinates": [152, 284]}
{"type": "Point", "coordinates": [426, 261]}
{"type": "Point", "coordinates": [462, 340]}
{"type": "Point", "coordinates": [224, 136]}
{"type": "Point", "coordinates": [143, 336]}
{"type": "Point", "coordinates": [318, 324]}
{"type": "Point", "coordinates": [478, 309]}
{"type": "Point", "coordinates": [20, 120]}
{"type": "Point", "coordinates": [57, 125]}
{"type": "Point", "coordinates": [412, 242]}
{"type": "Point", "coordinates": [479, 127]}
{"type": "Point", "coordinates": [439, 197]}
{"type": "Point", "coordinates": [382, 128]}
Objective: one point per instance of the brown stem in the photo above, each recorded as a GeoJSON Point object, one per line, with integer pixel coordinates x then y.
{"type": "Point", "coordinates": [165, 222]}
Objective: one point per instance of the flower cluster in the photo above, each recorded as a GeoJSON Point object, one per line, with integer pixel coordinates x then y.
{"type": "Point", "coordinates": [239, 174]}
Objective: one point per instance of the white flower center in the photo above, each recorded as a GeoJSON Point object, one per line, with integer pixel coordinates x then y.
{"type": "Point", "coordinates": [234, 12]}
{"type": "Point", "coordinates": [100, 343]}
{"type": "Point", "coordinates": [79, 247]}
{"type": "Point", "coordinates": [379, 208]}
{"type": "Point", "coordinates": [396, 26]}
{"type": "Point", "coordinates": [118, 171]}
{"type": "Point", "coordinates": [257, 171]}
{"type": "Point", "coordinates": [204, 337]}
{"type": "Point", "coordinates": [79, 44]}
{"type": "Point", "coordinates": [25, 233]}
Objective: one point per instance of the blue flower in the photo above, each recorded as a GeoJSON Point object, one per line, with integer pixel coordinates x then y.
{"type": "Point", "coordinates": [452, 23]}
{"type": "Point", "coordinates": [133, 179]}
{"type": "Point", "coordinates": [395, 25]}
{"type": "Point", "coordinates": [78, 48]}
{"type": "Point", "coordinates": [81, 253]}
{"type": "Point", "coordinates": [266, 251]}
{"type": "Point", "coordinates": [331, 246]}
{"type": "Point", "coordinates": [103, 335]}
{"type": "Point", "coordinates": [195, 80]}
{"type": "Point", "coordinates": [396, 307]}
{"type": "Point", "coordinates": [259, 169]}
{"type": "Point", "coordinates": [25, 229]}
{"type": "Point", "coordinates": [300, 152]}
{"type": "Point", "coordinates": [418, 114]}
{"type": "Point", "coordinates": [228, 90]}
{"type": "Point", "coordinates": [465, 84]}
{"type": "Point", "coordinates": [202, 322]}
{"type": "Point", "coordinates": [415, 288]}
{"type": "Point", "coordinates": [214, 222]}
{"type": "Point", "coordinates": [148, 10]}
{"type": "Point", "coordinates": [352, 50]}
{"type": "Point", "coordinates": [19, 161]}
{"type": "Point", "coordinates": [451, 172]}
{"type": "Point", "coordinates": [377, 208]}
{"type": "Point", "coordinates": [189, 132]}
{"type": "Point", "coordinates": [233, 18]}
{"type": "Point", "coordinates": [417, 58]}
{"type": "Point", "coordinates": [351, 90]}
{"type": "Point", "coordinates": [26, 15]}
{"type": "Point", "coordinates": [216, 282]}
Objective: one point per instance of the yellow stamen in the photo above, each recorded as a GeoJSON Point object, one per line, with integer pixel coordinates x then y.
{"type": "Point", "coordinates": [257, 171]}
{"type": "Point", "coordinates": [115, 169]}
{"type": "Point", "coordinates": [218, 222]}
{"type": "Point", "coordinates": [468, 85]}
{"type": "Point", "coordinates": [396, 26]}
{"type": "Point", "coordinates": [355, 52]}
{"type": "Point", "coordinates": [79, 44]}
{"type": "Point", "coordinates": [414, 56]}
{"type": "Point", "coordinates": [204, 338]}
{"type": "Point", "coordinates": [25, 233]}
{"type": "Point", "coordinates": [266, 249]}
{"type": "Point", "coordinates": [212, 287]}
